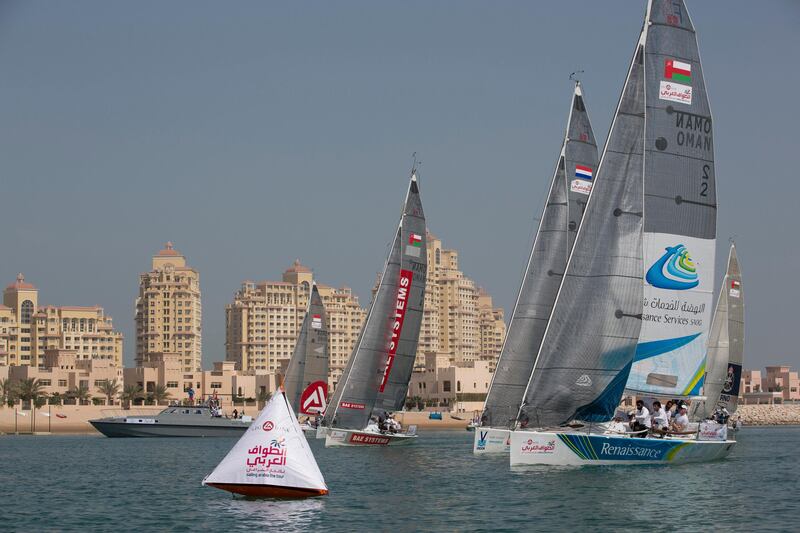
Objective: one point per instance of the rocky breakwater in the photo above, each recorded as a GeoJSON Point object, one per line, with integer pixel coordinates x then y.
{"type": "Point", "coordinates": [769, 415]}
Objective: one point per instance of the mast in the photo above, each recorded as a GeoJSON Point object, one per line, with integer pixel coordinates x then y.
{"type": "Point", "coordinates": [590, 340]}
{"type": "Point", "coordinates": [680, 210]}
{"type": "Point", "coordinates": [570, 186]}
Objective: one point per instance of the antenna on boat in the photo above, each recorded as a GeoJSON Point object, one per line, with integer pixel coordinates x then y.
{"type": "Point", "coordinates": [575, 76]}
{"type": "Point", "coordinates": [732, 239]}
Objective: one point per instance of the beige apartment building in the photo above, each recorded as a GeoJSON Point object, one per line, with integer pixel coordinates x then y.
{"type": "Point", "coordinates": [169, 311]}
{"type": "Point", "coordinates": [459, 319]}
{"type": "Point", "coordinates": [454, 386]}
{"type": "Point", "coordinates": [61, 371]}
{"type": "Point", "coordinates": [264, 319]}
{"type": "Point", "coordinates": [224, 381]}
{"type": "Point", "coordinates": [27, 330]}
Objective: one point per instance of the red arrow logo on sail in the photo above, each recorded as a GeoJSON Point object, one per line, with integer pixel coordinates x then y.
{"type": "Point", "coordinates": [314, 398]}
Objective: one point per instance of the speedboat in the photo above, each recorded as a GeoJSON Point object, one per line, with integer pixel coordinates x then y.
{"type": "Point", "coordinates": [174, 421]}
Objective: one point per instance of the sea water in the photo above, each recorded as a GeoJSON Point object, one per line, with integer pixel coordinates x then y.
{"type": "Point", "coordinates": [93, 483]}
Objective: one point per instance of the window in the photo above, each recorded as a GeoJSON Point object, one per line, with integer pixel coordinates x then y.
{"type": "Point", "coordinates": [62, 382]}
{"type": "Point", "coordinates": [44, 382]}
{"type": "Point", "coordinates": [172, 384]}
{"type": "Point", "coordinates": [446, 386]}
{"type": "Point", "coordinates": [26, 312]}
{"type": "Point", "coordinates": [216, 385]}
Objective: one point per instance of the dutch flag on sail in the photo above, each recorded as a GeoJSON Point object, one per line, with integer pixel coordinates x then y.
{"type": "Point", "coordinates": [582, 172]}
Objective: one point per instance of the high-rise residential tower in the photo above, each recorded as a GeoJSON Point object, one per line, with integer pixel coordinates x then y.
{"type": "Point", "coordinates": [459, 319]}
{"type": "Point", "coordinates": [169, 311]}
{"type": "Point", "coordinates": [264, 319]}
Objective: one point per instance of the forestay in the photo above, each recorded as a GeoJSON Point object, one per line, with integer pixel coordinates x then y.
{"type": "Point", "coordinates": [590, 341]}
{"type": "Point", "coordinates": [680, 210]}
{"type": "Point", "coordinates": [726, 344]}
{"type": "Point", "coordinates": [306, 381]}
{"type": "Point", "coordinates": [379, 368]}
{"type": "Point", "coordinates": [569, 190]}
{"type": "Point", "coordinates": [273, 452]}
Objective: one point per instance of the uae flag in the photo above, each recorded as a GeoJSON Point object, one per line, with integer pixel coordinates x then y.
{"type": "Point", "coordinates": [677, 71]}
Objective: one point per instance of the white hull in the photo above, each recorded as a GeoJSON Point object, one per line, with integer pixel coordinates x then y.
{"type": "Point", "coordinates": [350, 437]}
{"type": "Point", "coordinates": [491, 440]}
{"type": "Point", "coordinates": [577, 449]}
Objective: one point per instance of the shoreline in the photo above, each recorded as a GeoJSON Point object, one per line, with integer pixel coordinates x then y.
{"type": "Point", "coordinates": [74, 420]}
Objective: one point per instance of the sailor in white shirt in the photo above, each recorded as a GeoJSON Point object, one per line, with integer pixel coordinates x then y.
{"type": "Point", "coordinates": [659, 419]}
{"type": "Point", "coordinates": [641, 418]}
{"type": "Point", "coordinates": [681, 421]}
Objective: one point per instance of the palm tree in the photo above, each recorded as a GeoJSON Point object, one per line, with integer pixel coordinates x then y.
{"type": "Point", "coordinates": [263, 398]}
{"type": "Point", "coordinates": [80, 393]}
{"type": "Point", "coordinates": [110, 389]}
{"type": "Point", "coordinates": [160, 394]}
{"type": "Point", "coordinates": [30, 390]}
{"type": "Point", "coordinates": [130, 394]}
{"type": "Point", "coordinates": [8, 392]}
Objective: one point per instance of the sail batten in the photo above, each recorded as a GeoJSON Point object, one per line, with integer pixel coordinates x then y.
{"type": "Point", "coordinates": [572, 181]}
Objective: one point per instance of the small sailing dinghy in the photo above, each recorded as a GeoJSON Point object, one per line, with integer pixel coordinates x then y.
{"type": "Point", "coordinates": [633, 308]}
{"type": "Point", "coordinates": [306, 380]}
{"type": "Point", "coordinates": [571, 183]}
{"type": "Point", "coordinates": [375, 380]}
{"type": "Point", "coordinates": [272, 459]}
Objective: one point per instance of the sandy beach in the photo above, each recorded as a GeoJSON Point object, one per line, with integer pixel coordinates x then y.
{"type": "Point", "coordinates": [72, 419]}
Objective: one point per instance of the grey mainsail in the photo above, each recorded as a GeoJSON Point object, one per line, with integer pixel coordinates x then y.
{"type": "Point", "coordinates": [585, 356]}
{"type": "Point", "coordinates": [680, 209]}
{"type": "Point", "coordinates": [379, 369]}
{"type": "Point", "coordinates": [569, 189]}
{"type": "Point", "coordinates": [306, 381]}
{"type": "Point", "coordinates": [725, 345]}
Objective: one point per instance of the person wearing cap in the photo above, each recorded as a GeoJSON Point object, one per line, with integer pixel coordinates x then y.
{"type": "Point", "coordinates": [681, 421]}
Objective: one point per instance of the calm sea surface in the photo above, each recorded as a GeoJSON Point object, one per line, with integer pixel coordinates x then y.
{"type": "Point", "coordinates": [95, 483]}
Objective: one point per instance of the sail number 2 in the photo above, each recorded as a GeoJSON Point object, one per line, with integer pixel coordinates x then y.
{"type": "Point", "coordinates": [704, 181]}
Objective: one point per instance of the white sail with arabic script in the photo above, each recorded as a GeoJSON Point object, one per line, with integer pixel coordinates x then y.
{"type": "Point", "coordinates": [273, 451]}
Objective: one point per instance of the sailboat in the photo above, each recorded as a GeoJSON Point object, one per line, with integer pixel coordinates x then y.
{"type": "Point", "coordinates": [272, 459]}
{"type": "Point", "coordinates": [725, 345]}
{"type": "Point", "coordinates": [306, 380]}
{"type": "Point", "coordinates": [570, 187]}
{"type": "Point", "coordinates": [375, 380]}
{"type": "Point", "coordinates": [634, 304]}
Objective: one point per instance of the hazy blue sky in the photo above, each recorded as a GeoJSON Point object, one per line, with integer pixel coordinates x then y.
{"type": "Point", "coordinates": [253, 133]}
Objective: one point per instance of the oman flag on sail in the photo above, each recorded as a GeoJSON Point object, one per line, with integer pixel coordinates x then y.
{"type": "Point", "coordinates": [677, 71]}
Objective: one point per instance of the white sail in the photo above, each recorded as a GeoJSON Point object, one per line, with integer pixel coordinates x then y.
{"type": "Point", "coordinates": [272, 458]}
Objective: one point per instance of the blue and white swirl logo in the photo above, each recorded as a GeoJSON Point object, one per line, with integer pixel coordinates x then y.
{"type": "Point", "coordinates": [675, 270]}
